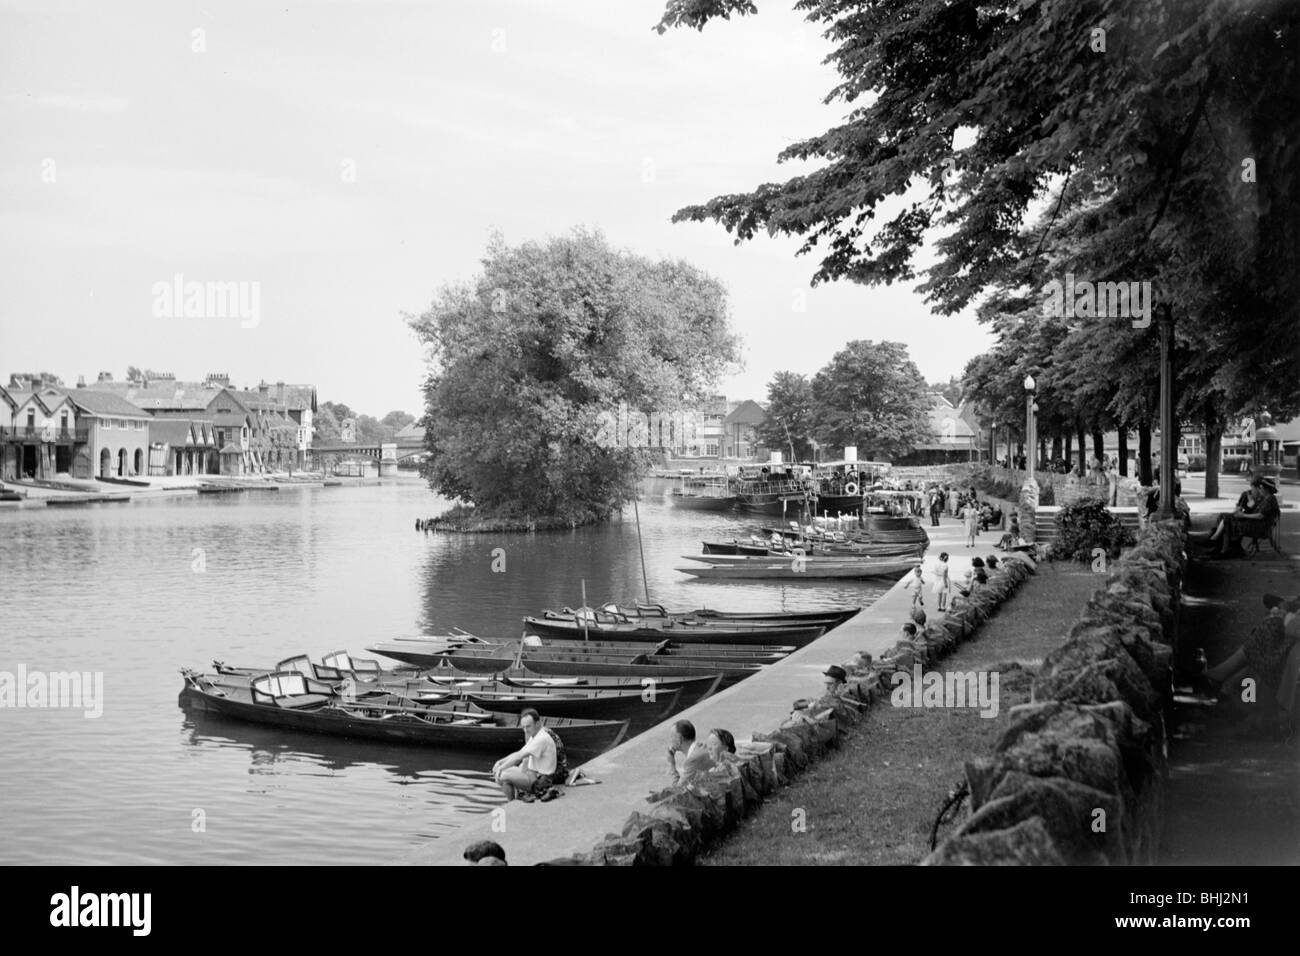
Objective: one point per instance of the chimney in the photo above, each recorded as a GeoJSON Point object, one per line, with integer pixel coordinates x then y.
{"type": "Point", "coordinates": [279, 392]}
{"type": "Point", "coordinates": [81, 381]}
{"type": "Point", "coordinates": [263, 389]}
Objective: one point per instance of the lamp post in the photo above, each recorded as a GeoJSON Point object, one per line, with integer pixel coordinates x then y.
{"type": "Point", "coordinates": [1029, 491]}
{"type": "Point", "coordinates": [1031, 440]}
{"type": "Point", "coordinates": [1168, 455]}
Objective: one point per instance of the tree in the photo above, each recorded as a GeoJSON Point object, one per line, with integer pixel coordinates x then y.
{"type": "Point", "coordinates": [789, 422]}
{"type": "Point", "coordinates": [1166, 129]}
{"type": "Point", "coordinates": [396, 421]}
{"type": "Point", "coordinates": [873, 396]}
{"type": "Point", "coordinates": [325, 425]}
{"type": "Point", "coordinates": [532, 360]}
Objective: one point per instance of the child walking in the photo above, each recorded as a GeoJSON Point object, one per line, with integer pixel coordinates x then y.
{"type": "Point", "coordinates": [916, 584]}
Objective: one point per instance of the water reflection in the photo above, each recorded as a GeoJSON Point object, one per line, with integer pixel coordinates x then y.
{"type": "Point", "coordinates": [310, 570]}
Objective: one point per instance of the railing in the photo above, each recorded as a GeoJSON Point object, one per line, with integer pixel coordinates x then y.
{"type": "Point", "coordinates": [43, 433]}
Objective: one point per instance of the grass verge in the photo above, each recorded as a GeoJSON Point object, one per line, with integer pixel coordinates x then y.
{"type": "Point", "coordinates": [874, 801]}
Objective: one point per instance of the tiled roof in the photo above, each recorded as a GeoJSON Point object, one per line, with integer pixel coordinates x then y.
{"type": "Point", "coordinates": [949, 427]}
{"type": "Point", "coordinates": [412, 430]}
{"type": "Point", "coordinates": [748, 412]}
{"type": "Point", "coordinates": [227, 419]}
{"type": "Point", "coordinates": [105, 403]}
{"type": "Point", "coordinates": [163, 394]}
{"type": "Point", "coordinates": [172, 431]}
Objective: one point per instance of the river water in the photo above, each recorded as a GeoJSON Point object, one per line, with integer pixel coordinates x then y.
{"type": "Point", "coordinates": [137, 591]}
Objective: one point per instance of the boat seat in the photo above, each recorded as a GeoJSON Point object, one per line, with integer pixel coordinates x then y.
{"type": "Point", "coordinates": [301, 700]}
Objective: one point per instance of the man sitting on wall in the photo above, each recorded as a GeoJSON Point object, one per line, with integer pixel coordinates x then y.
{"type": "Point", "coordinates": [538, 757]}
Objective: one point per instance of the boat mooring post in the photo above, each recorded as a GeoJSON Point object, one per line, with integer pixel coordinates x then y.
{"type": "Point", "coordinates": [645, 583]}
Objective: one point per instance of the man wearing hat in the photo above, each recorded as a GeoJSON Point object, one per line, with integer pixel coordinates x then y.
{"type": "Point", "coordinates": [835, 679]}
{"type": "Point", "coordinates": [835, 684]}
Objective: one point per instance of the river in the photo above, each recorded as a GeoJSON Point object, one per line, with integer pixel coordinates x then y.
{"type": "Point", "coordinates": [137, 591]}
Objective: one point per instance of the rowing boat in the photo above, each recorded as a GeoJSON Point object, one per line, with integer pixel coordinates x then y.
{"type": "Point", "coordinates": [493, 658]}
{"type": "Point", "coordinates": [295, 702]}
{"type": "Point", "coordinates": [680, 630]}
{"type": "Point", "coordinates": [831, 617]}
{"type": "Point", "coordinates": [595, 665]}
{"type": "Point", "coordinates": [804, 571]}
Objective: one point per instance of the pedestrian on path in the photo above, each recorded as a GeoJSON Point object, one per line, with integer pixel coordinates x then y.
{"type": "Point", "coordinates": [971, 515]}
{"type": "Point", "coordinates": [942, 583]}
{"type": "Point", "coordinates": [916, 584]}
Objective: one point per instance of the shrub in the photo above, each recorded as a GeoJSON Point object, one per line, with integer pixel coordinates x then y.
{"type": "Point", "coordinates": [1086, 525]}
{"type": "Point", "coordinates": [1196, 463]}
{"type": "Point", "coordinates": [1046, 493]}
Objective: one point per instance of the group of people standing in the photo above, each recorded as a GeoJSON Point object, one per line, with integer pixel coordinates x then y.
{"type": "Point", "coordinates": [965, 505]}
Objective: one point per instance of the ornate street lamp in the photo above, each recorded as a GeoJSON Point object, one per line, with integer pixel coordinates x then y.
{"type": "Point", "coordinates": [1031, 440]}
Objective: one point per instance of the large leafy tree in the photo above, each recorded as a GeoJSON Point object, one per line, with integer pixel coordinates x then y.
{"type": "Point", "coordinates": [872, 395]}
{"type": "Point", "coordinates": [790, 421]}
{"type": "Point", "coordinates": [531, 361]}
{"type": "Point", "coordinates": [1162, 136]}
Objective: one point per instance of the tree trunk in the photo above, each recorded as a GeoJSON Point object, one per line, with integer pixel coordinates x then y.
{"type": "Point", "coordinates": [1042, 451]}
{"type": "Point", "coordinates": [1098, 443]}
{"type": "Point", "coordinates": [1083, 445]}
{"type": "Point", "coordinates": [1144, 453]}
{"type": "Point", "coordinates": [1213, 455]}
{"type": "Point", "coordinates": [1123, 451]}
{"type": "Point", "coordinates": [1067, 452]}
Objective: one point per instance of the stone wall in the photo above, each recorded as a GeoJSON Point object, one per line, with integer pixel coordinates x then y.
{"type": "Point", "coordinates": [680, 823]}
{"type": "Point", "coordinates": [1079, 776]}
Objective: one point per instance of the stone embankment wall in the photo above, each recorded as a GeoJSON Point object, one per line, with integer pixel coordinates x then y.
{"type": "Point", "coordinates": [680, 823]}
{"type": "Point", "coordinates": [1079, 776]}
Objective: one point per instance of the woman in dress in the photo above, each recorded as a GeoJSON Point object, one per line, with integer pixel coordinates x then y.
{"type": "Point", "coordinates": [942, 583]}
{"type": "Point", "coordinates": [971, 515]}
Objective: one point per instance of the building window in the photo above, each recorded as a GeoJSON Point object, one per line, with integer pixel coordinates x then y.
{"type": "Point", "coordinates": [31, 418]}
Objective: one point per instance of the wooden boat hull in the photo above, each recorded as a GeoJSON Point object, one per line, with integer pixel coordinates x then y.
{"type": "Point", "coordinates": [830, 618]}
{"type": "Point", "coordinates": [493, 659]}
{"type": "Point", "coordinates": [701, 502]}
{"type": "Point", "coordinates": [743, 560]}
{"type": "Point", "coordinates": [641, 708]}
{"type": "Point", "coordinates": [761, 505]}
{"type": "Point", "coordinates": [811, 571]}
{"type": "Point", "coordinates": [692, 690]}
{"type": "Point", "coordinates": [680, 632]}
{"type": "Point", "coordinates": [836, 504]}
{"type": "Point", "coordinates": [502, 735]}
{"type": "Point", "coordinates": [571, 665]}
{"type": "Point", "coordinates": [733, 547]}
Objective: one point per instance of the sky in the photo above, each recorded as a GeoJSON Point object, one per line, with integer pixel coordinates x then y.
{"type": "Point", "coordinates": [341, 161]}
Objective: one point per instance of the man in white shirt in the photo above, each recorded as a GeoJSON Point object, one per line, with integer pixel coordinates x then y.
{"type": "Point", "coordinates": [519, 773]}
{"type": "Point", "coordinates": [697, 762]}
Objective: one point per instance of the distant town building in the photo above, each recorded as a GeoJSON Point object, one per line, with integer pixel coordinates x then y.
{"type": "Point", "coordinates": [39, 434]}
{"type": "Point", "coordinates": [117, 444]}
{"type": "Point", "coordinates": [954, 435]}
{"type": "Point", "coordinates": [739, 426]}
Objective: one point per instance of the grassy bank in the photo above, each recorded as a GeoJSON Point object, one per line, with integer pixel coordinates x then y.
{"type": "Point", "coordinates": [875, 800]}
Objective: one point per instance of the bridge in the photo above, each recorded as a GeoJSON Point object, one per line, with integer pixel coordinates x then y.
{"type": "Point", "coordinates": [388, 453]}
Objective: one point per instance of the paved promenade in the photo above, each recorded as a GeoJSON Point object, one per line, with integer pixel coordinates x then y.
{"type": "Point", "coordinates": [578, 820]}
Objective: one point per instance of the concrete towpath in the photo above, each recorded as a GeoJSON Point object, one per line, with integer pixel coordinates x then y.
{"type": "Point", "coordinates": [536, 832]}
